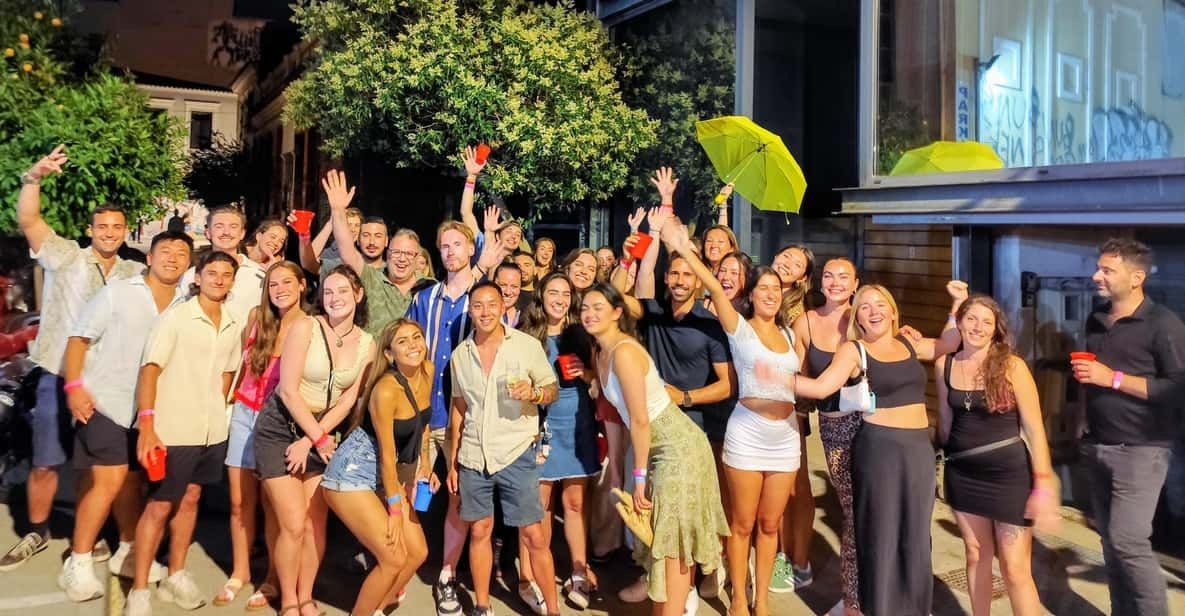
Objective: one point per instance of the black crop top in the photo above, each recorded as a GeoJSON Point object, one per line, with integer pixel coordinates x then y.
{"type": "Point", "coordinates": [408, 432]}
{"type": "Point", "coordinates": [817, 361]}
{"type": "Point", "coordinates": [897, 383]}
{"type": "Point", "coordinates": [972, 424]}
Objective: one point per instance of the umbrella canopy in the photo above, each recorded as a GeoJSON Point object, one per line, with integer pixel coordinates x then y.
{"type": "Point", "coordinates": [754, 160]}
{"type": "Point", "coordinates": [947, 157]}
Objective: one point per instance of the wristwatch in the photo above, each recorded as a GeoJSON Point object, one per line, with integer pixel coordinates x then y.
{"type": "Point", "coordinates": [686, 399]}
{"type": "Point", "coordinates": [28, 179]}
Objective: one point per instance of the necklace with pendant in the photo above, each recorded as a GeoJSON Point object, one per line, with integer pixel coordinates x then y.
{"type": "Point", "coordinates": [966, 392]}
{"type": "Point", "coordinates": [341, 338]}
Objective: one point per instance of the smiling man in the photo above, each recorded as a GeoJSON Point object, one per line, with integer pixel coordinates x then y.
{"type": "Point", "coordinates": [100, 368]}
{"type": "Point", "coordinates": [226, 227]}
{"type": "Point", "coordinates": [72, 276]}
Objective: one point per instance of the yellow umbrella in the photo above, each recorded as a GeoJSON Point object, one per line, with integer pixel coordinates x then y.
{"type": "Point", "coordinates": [947, 157]}
{"type": "Point", "coordinates": [754, 160]}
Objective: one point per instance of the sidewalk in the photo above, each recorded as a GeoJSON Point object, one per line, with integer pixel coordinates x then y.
{"type": "Point", "coordinates": [1067, 566]}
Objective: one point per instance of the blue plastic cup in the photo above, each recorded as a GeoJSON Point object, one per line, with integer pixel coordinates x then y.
{"type": "Point", "coordinates": [423, 496]}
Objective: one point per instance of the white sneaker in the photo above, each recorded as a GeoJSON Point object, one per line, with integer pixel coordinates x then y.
{"type": "Point", "coordinates": [79, 581]}
{"type": "Point", "coordinates": [125, 567]}
{"type": "Point", "coordinates": [180, 588]}
{"type": "Point", "coordinates": [691, 605]}
{"type": "Point", "coordinates": [712, 585]}
{"type": "Point", "coordinates": [139, 603]}
{"type": "Point", "coordinates": [636, 592]}
{"type": "Point", "coordinates": [532, 595]}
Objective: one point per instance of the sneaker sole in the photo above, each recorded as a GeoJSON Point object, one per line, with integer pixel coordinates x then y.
{"type": "Point", "coordinates": [62, 585]}
{"type": "Point", "coordinates": [786, 590]}
{"type": "Point", "coordinates": [167, 596]}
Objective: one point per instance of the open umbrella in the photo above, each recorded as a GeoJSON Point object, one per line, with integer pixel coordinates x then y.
{"type": "Point", "coordinates": [754, 160]}
{"type": "Point", "coordinates": [948, 157]}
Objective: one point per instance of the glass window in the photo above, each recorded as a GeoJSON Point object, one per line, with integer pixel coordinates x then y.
{"type": "Point", "coordinates": [1041, 83]}
{"type": "Point", "coordinates": [201, 130]}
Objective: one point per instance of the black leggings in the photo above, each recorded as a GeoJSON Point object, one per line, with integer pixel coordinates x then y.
{"type": "Point", "coordinates": [893, 500]}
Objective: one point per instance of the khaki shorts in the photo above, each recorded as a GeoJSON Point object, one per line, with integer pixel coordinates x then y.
{"type": "Point", "coordinates": [438, 443]}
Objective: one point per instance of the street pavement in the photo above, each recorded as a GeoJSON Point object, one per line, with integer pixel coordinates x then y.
{"type": "Point", "coordinates": [1067, 566]}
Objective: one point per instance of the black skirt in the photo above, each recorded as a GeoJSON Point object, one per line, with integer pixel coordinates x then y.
{"type": "Point", "coordinates": [994, 484]}
{"type": "Point", "coordinates": [893, 482]}
{"type": "Point", "coordinates": [274, 432]}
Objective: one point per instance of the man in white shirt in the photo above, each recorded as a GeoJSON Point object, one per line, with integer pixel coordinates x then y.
{"type": "Point", "coordinates": [226, 227]}
{"type": "Point", "coordinates": [100, 367]}
{"type": "Point", "coordinates": [72, 275]}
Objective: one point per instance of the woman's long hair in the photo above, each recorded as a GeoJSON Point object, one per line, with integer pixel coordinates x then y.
{"type": "Point", "coordinates": [794, 298]}
{"type": "Point", "coordinates": [535, 319]}
{"type": "Point", "coordinates": [550, 267]}
{"type": "Point", "coordinates": [267, 320]}
{"type": "Point", "coordinates": [361, 312]}
{"type": "Point", "coordinates": [572, 338]}
{"type": "Point", "coordinates": [380, 366]}
{"type": "Point", "coordinates": [263, 227]}
{"type": "Point", "coordinates": [744, 304]}
{"type": "Point", "coordinates": [740, 303]}
{"type": "Point", "coordinates": [626, 323]}
{"type": "Point", "coordinates": [994, 369]}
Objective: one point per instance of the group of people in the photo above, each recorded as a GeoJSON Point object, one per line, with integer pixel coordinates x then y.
{"type": "Point", "coordinates": [495, 387]}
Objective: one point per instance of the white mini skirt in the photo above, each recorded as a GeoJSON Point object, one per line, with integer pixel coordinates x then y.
{"type": "Point", "coordinates": [756, 443]}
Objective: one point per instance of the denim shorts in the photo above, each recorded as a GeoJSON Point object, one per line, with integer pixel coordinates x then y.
{"type": "Point", "coordinates": [240, 446]}
{"type": "Point", "coordinates": [354, 466]}
{"type": "Point", "coordinates": [518, 492]}
{"type": "Point", "coordinates": [48, 451]}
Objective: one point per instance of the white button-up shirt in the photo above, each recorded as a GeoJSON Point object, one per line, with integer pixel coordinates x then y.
{"type": "Point", "coordinates": [72, 276]}
{"type": "Point", "coordinates": [193, 355]}
{"type": "Point", "coordinates": [498, 428]}
{"type": "Point", "coordinates": [116, 322]}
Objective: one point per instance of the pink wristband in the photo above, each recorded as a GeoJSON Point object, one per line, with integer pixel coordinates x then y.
{"type": "Point", "coordinates": [626, 262]}
{"type": "Point", "coordinates": [470, 184]}
{"type": "Point", "coordinates": [1117, 380]}
{"type": "Point", "coordinates": [72, 385]}
{"type": "Point", "coordinates": [321, 441]}
{"type": "Point", "coordinates": [146, 413]}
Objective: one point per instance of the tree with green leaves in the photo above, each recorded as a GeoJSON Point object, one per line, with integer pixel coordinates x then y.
{"type": "Point", "coordinates": [681, 70]}
{"type": "Point", "coordinates": [219, 175]}
{"type": "Point", "coordinates": [415, 81]}
{"type": "Point", "coordinates": [120, 152]}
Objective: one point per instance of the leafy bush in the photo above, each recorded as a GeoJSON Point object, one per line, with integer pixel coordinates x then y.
{"type": "Point", "coordinates": [120, 152]}
{"type": "Point", "coordinates": [218, 175]}
{"type": "Point", "coordinates": [414, 81]}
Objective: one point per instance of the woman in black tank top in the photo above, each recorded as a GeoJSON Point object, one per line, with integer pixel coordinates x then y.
{"type": "Point", "coordinates": [997, 486]}
{"type": "Point", "coordinates": [371, 481]}
{"type": "Point", "coordinates": [892, 459]}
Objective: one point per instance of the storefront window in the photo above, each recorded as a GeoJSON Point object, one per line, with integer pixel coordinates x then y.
{"type": "Point", "coordinates": [1041, 83]}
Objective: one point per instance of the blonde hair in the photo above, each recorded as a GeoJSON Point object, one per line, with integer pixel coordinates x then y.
{"type": "Point", "coordinates": [855, 331]}
{"type": "Point", "coordinates": [452, 225]}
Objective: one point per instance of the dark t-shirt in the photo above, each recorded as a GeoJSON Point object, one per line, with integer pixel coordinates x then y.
{"type": "Point", "coordinates": [684, 351]}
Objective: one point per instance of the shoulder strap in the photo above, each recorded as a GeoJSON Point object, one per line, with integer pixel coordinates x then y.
{"type": "Point", "coordinates": [415, 407]}
{"type": "Point", "coordinates": [950, 358]}
{"type": "Point", "coordinates": [789, 333]}
{"type": "Point", "coordinates": [863, 358]}
{"type": "Point", "coordinates": [807, 315]}
{"type": "Point", "coordinates": [328, 354]}
{"type": "Point", "coordinates": [904, 340]}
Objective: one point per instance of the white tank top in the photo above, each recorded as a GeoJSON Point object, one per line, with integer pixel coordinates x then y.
{"type": "Point", "coordinates": [747, 350]}
{"type": "Point", "coordinates": [657, 399]}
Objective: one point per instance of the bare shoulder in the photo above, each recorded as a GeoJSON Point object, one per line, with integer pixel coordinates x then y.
{"type": "Point", "coordinates": [628, 358]}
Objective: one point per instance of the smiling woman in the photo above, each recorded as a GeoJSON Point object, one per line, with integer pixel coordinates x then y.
{"type": "Point", "coordinates": [266, 245]}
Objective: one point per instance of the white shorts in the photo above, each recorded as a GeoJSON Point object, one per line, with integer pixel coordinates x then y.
{"type": "Point", "coordinates": [756, 443]}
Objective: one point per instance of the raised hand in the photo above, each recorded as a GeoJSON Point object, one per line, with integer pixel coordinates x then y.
{"type": "Point", "coordinates": [656, 218]}
{"type": "Point", "coordinates": [958, 290]}
{"type": "Point", "coordinates": [52, 163]}
{"type": "Point", "coordinates": [677, 238]}
{"type": "Point", "coordinates": [635, 219]}
{"type": "Point", "coordinates": [490, 223]}
{"type": "Point", "coordinates": [664, 180]}
{"type": "Point", "coordinates": [469, 157]}
{"type": "Point", "coordinates": [336, 189]}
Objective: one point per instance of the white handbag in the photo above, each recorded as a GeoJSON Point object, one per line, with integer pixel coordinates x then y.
{"type": "Point", "coordinates": [858, 397]}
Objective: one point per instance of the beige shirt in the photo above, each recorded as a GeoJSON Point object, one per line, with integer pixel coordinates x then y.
{"type": "Point", "coordinates": [72, 276]}
{"type": "Point", "coordinates": [498, 429]}
{"type": "Point", "coordinates": [193, 356]}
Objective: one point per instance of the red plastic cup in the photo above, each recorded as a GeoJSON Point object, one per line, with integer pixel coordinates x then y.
{"type": "Point", "coordinates": [156, 464]}
{"type": "Point", "coordinates": [304, 220]}
{"type": "Point", "coordinates": [567, 365]}
{"type": "Point", "coordinates": [483, 152]}
{"type": "Point", "coordinates": [1082, 356]}
{"type": "Point", "coordinates": [639, 250]}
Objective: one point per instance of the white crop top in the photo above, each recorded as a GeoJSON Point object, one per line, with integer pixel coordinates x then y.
{"type": "Point", "coordinates": [747, 349]}
{"type": "Point", "coordinates": [657, 399]}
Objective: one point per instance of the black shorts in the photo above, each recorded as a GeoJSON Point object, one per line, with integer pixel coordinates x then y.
{"type": "Point", "coordinates": [102, 442]}
{"type": "Point", "coordinates": [274, 432]}
{"type": "Point", "coordinates": [186, 464]}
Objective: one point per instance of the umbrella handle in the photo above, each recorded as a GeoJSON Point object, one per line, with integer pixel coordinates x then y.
{"type": "Point", "coordinates": [736, 173]}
